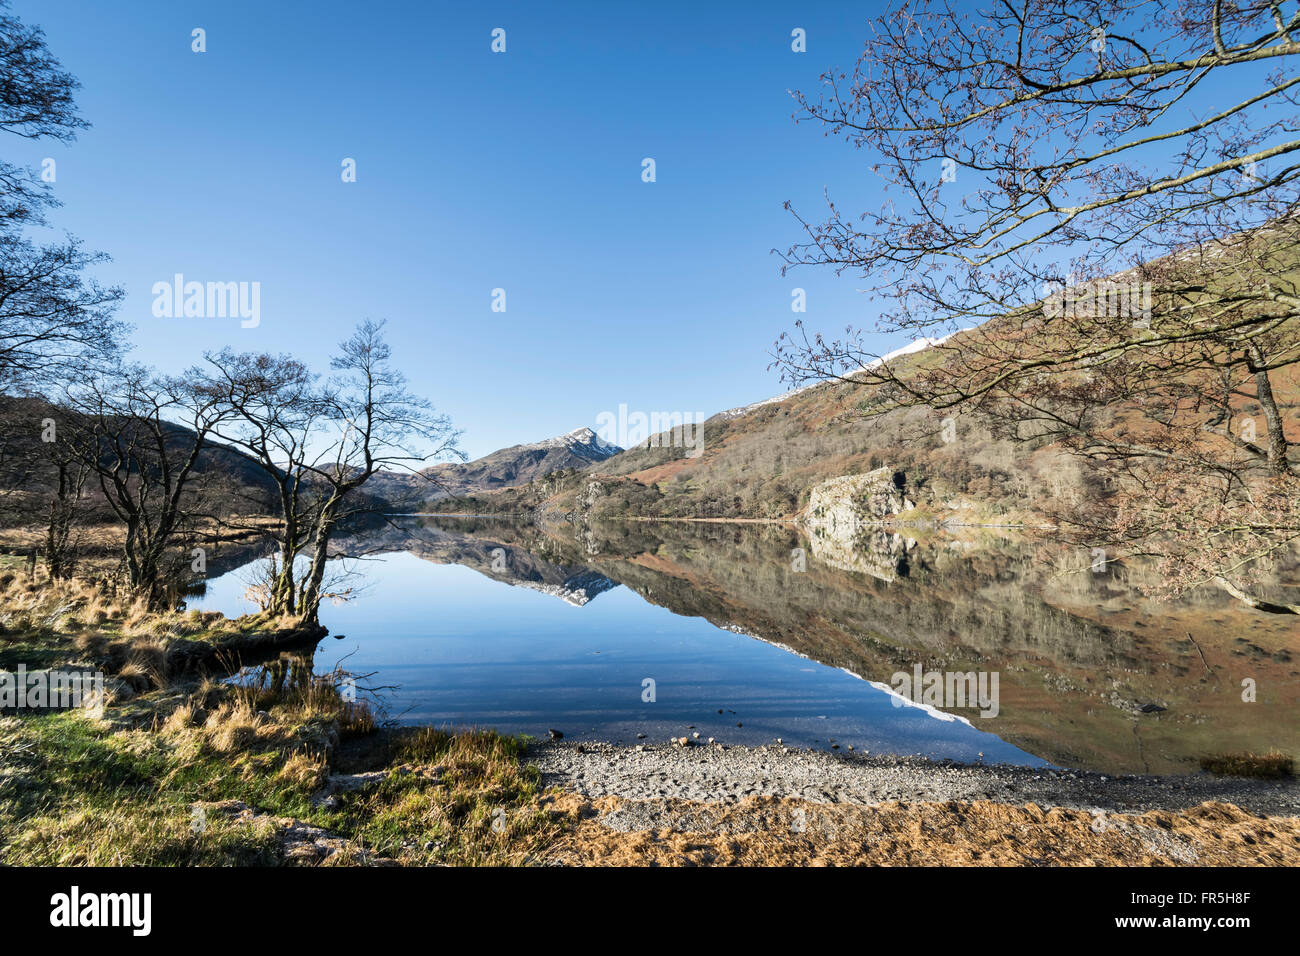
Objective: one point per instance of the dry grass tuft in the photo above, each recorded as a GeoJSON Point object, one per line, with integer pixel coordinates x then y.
{"type": "Point", "coordinates": [357, 719]}
{"type": "Point", "coordinates": [302, 772]}
{"type": "Point", "coordinates": [232, 727]}
{"type": "Point", "coordinates": [137, 617]}
{"type": "Point", "coordinates": [1269, 766]}
{"type": "Point", "coordinates": [187, 715]}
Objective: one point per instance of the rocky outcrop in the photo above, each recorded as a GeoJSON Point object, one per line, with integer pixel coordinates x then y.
{"type": "Point", "coordinates": [881, 554]}
{"type": "Point", "coordinates": [843, 506]}
{"type": "Point", "coordinates": [591, 492]}
{"type": "Point", "coordinates": [844, 518]}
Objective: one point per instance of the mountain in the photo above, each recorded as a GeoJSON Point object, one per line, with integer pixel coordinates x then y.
{"type": "Point", "coordinates": [764, 460]}
{"type": "Point", "coordinates": [27, 479]}
{"type": "Point", "coordinates": [771, 458]}
{"type": "Point", "coordinates": [507, 468]}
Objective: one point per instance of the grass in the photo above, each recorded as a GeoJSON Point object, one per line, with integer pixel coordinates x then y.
{"type": "Point", "coordinates": [75, 793]}
{"type": "Point", "coordinates": [462, 798]}
{"type": "Point", "coordinates": [123, 789]}
{"type": "Point", "coordinates": [1269, 766]}
{"type": "Point", "coordinates": [43, 622]}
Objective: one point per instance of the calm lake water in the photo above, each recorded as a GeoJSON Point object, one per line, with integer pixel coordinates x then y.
{"type": "Point", "coordinates": [486, 624]}
{"type": "Point", "coordinates": [465, 649]}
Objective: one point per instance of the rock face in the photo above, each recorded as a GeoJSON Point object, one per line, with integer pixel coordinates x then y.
{"type": "Point", "coordinates": [590, 493]}
{"type": "Point", "coordinates": [843, 506]}
{"type": "Point", "coordinates": [844, 516]}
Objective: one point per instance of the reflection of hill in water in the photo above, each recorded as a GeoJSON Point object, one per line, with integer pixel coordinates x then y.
{"type": "Point", "coordinates": [508, 563]}
{"type": "Point", "coordinates": [882, 554]}
{"type": "Point", "coordinates": [1078, 654]}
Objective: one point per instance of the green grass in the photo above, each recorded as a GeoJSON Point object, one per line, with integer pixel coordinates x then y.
{"type": "Point", "coordinates": [481, 808]}
{"type": "Point", "coordinates": [121, 790]}
{"type": "Point", "coordinates": [74, 790]}
{"type": "Point", "coordinates": [74, 793]}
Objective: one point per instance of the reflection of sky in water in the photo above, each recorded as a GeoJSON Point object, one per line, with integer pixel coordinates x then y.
{"type": "Point", "coordinates": [466, 649]}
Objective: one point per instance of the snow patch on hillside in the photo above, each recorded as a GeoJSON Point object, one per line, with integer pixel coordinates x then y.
{"type": "Point", "coordinates": [912, 347]}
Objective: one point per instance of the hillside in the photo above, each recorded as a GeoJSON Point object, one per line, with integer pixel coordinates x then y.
{"type": "Point", "coordinates": [764, 460]}
{"type": "Point", "coordinates": [28, 477]}
{"type": "Point", "coordinates": [507, 468]}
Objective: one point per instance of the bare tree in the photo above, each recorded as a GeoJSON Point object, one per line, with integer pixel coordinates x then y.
{"type": "Point", "coordinates": [36, 102]}
{"type": "Point", "coordinates": [277, 414]}
{"type": "Point", "coordinates": [66, 505]}
{"type": "Point", "coordinates": [1096, 228]}
{"type": "Point", "coordinates": [143, 437]}
{"type": "Point", "coordinates": [375, 423]}
{"type": "Point", "coordinates": [51, 316]}
{"type": "Point", "coordinates": [319, 443]}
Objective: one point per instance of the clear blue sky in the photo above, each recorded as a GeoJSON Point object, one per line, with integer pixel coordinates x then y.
{"type": "Point", "coordinates": [475, 171]}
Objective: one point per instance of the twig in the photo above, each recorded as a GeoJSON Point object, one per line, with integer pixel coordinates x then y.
{"type": "Point", "coordinates": [1201, 652]}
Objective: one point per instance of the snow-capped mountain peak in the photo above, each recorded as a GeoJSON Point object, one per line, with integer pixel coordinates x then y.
{"type": "Point", "coordinates": [580, 439]}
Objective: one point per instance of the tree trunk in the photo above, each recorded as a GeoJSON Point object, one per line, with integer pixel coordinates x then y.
{"type": "Point", "coordinates": [309, 608]}
{"type": "Point", "coordinates": [62, 517]}
{"type": "Point", "coordinates": [1278, 462]}
{"type": "Point", "coordinates": [1256, 603]}
{"type": "Point", "coordinates": [283, 599]}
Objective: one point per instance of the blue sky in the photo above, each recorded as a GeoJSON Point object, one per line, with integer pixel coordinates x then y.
{"type": "Point", "coordinates": [475, 171]}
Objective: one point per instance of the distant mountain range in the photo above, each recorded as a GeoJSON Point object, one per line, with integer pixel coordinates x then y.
{"type": "Point", "coordinates": [507, 468]}
{"type": "Point", "coordinates": [762, 460]}
{"type": "Point", "coordinates": [27, 480]}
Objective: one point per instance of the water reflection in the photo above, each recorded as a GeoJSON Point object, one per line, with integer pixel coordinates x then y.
{"type": "Point", "coordinates": [787, 631]}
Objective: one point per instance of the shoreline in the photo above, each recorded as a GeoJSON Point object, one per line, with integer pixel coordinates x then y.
{"type": "Point", "coordinates": [770, 806]}
{"type": "Point", "coordinates": [712, 774]}
{"type": "Point", "coordinates": [295, 771]}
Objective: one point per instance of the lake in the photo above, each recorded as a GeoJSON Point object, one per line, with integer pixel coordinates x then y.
{"type": "Point", "coordinates": [750, 633]}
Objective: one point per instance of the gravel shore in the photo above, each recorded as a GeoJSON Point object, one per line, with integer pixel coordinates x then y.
{"type": "Point", "coordinates": [712, 774]}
